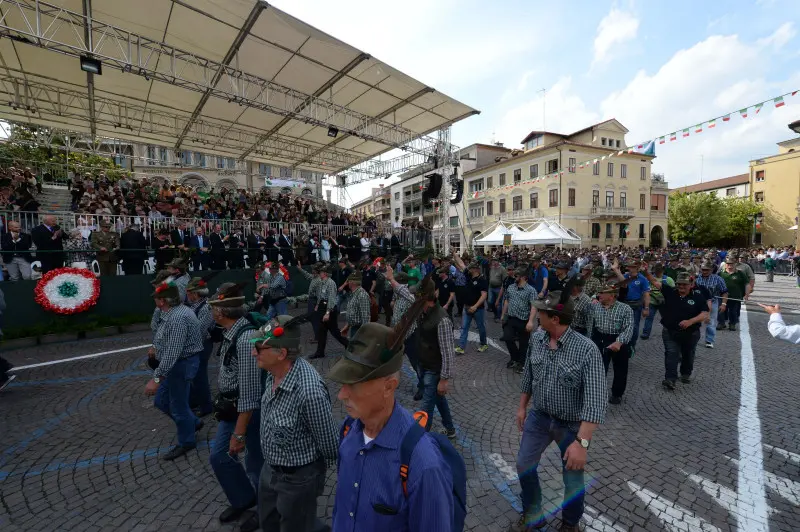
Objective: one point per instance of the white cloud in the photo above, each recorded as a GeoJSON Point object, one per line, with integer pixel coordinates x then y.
{"type": "Point", "coordinates": [616, 28]}
{"type": "Point", "coordinates": [565, 112]}
{"type": "Point", "coordinates": [780, 38]}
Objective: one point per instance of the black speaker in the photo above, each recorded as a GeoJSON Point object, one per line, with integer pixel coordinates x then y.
{"type": "Point", "coordinates": [459, 188]}
{"type": "Point", "coordinates": [433, 188]}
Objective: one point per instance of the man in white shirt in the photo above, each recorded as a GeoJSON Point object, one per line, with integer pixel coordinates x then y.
{"type": "Point", "coordinates": [364, 245]}
{"type": "Point", "coordinates": [778, 328]}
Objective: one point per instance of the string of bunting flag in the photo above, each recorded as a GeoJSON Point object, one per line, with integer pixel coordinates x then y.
{"type": "Point", "coordinates": [649, 145]}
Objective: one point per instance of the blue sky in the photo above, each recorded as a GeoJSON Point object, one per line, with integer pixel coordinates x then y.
{"type": "Point", "coordinates": [655, 66]}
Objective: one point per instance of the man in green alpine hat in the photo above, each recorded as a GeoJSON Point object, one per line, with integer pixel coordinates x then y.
{"type": "Point", "coordinates": [179, 269]}
{"type": "Point", "coordinates": [295, 451]}
{"type": "Point", "coordinates": [197, 293]}
{"type": "Point", "coordinates": [358, 306]}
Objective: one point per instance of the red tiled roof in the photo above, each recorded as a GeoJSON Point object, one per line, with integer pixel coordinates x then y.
{"type": "Point", "coordinates": [715, 184]}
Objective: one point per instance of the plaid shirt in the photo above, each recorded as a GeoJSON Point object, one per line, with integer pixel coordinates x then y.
{"type": "Point", "coordinates": [569, 382]}
{"type": "Point", "coordinates": [358, 308]}
{"type": "Point", "coordinates": [616, 319]}
{"type": "Point", "coordinates": [277, 287]}
{"type": "Point", "coordinates": [592, 286]}
{"type": "Point", "coordinates": [202, 310]}
{"type": "Point", "coordinates": [714, 284]}
{"type": "Point", "coordinates": [403, 299]}
{"type": "Point", "coordinates": [313, 287]}
{"type": "Point", "coordinates": [580, 318]}
{"type": "Point", "coordinates": [178, 336]}
{"type": "Point", "coordinates": [241, 373]}
{"type": "Point", "coordinates": [459, 278]}
{"type": "Point", "coordinates": [447, 345]}
{"type": "Point", "coordinates": [520, 300]}
{"type": "Point", "coordinates": [182, 282]}
{"type": "Point", "coordinates": [155, 321]}
{"type": "Point", "coordinates": [264, 278]}
{"type": "Point", "coordinates": [328, 291]}
{"type": "Point", "coordinates": [297, 425]}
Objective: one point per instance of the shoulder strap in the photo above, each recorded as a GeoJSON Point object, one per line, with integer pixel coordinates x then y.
{"type": "Point", "coordinates": [409, 443]}
{"type": "Point", "coordinates": [348, 422]}
{"type": "Point", "coordinates": [232, 348]}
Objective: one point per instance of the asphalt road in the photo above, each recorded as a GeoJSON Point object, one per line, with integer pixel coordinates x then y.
{"type": "Point", "coordinates": [79, 442]}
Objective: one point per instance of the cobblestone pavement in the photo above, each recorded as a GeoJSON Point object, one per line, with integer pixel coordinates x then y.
{"type": "Point", "coordinates": [79, 442]}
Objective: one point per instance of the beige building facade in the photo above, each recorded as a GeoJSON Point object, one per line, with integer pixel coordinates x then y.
{"type": "Point", "coordinates": [775, 184]}
{"type": "Point", "coordinates": [587, 181]}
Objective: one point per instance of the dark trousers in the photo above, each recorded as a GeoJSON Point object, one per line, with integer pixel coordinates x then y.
{"type": "Point", "coordinates": [731, 314]}
{"type": "Point", "coordinates": [254, 256]}
{"type": "Point", "coordinates": [679, 346]}
{"type": "Point", "coordinates": [412, 352]}
{"type": "Point", "coordinates": [330, 326]}
{"type": "Point", "coordinates": [460, 299]}
{"type": "Point", "coordinates": [132, 267]}
{"type": "Point", "coordinates": [312, 303]}
{"type": "Point", "coordinates": [287, 497]}
{"type": "Point", "coordinates": [51, 263]}
{"type": "Point", "coordinates": [288, 258]}
{"type": "Point", "coordinates": [108, 268]}
{"type": "Point", "coordinates": [218, 261]}
{"type": "Point", "coordinates": [200, 261]}
{"type": "Point", "coordinates": [386, 304]}
{"type": "Point", "coordinates": [516, 338]}
{"type": "Point", "coordinates": [5, 367]}
{"type": "Point", "coordinates": [236, 259]}
{"type": "Point", "coordinates": [200, 396]}
{"type": "Point", "coordinates": [618, 358]}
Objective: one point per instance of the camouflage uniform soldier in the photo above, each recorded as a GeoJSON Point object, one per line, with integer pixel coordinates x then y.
{"type": "Point", "coordinates": [106, 243]}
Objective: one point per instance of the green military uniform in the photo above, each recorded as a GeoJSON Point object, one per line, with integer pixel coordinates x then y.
{"type": "Point", "coordinates": [109, 241]}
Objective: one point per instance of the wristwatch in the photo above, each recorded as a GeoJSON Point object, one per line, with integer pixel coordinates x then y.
{"type": "Point", "coordinates": [239, 437]}
{"type": "Point", "coordinates": [157, 380]}
{"type": "Point", "coordinates": [584, 443]}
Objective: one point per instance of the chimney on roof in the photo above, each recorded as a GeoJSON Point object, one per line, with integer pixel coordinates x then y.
{"type": "Point", "coordinates": [498, 144]}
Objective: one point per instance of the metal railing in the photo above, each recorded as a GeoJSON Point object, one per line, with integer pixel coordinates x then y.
{"type": "Point", "coordinates": [612, 211]}
{"type": "Point", "coordinates": [518, 215]}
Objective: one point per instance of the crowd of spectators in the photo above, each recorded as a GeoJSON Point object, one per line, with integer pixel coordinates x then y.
{"type": "Point", "coordinates": [18, 189]}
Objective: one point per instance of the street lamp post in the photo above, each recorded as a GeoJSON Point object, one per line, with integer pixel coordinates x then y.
{"type": "Point", "coordinates": [795, 126]}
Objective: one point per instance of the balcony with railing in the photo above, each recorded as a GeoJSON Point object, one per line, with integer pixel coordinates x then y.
{"type": "Point", "coordinates": [524, 214]}
{"type": "Point", "coordinates": [617, 213]}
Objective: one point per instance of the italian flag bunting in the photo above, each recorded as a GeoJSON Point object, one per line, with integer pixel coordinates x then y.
{"type": "Point", "coordinates": [661, 140]}
{"type": "Point", "coordinates": [686, 132]}
{"type": "Point", "coordinates": [743, 112]}
{"type": "Point", "coordinates": [673, 136]}
{"type": "Point", "coordinates": [779, 102]}
{"type": "Point", "coordinates": [758, 107]}
{"type": "Point", "coordinates": [726, 118]}
{"type": "Point", "coordinates": [476, 194]}
{"type": "Point", "coordinates": [698, 128]}
{"type": "Point", "coordinates": [712, 123]}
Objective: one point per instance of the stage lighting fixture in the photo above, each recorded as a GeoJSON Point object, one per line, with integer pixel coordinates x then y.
{"type": "Point", "coordinates": [332, 132]}
{"type": "Point", "coordinates": [91, 65]}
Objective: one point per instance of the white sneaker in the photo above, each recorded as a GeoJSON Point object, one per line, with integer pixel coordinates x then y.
{"type": "Point", "coordinates": [710, 345]}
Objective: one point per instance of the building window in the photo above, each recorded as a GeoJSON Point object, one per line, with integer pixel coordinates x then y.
{"type": "Point", "coordinates": [730, 192]}
{"type": "Point", "coordinates": [609, 198]}
{"type": "Point", "coordinates": [397, 196]}
{"type": "Point", "coordinates": [642, 201]}
{"type": "Point", "coordinates": [489, 208]}
{"type": "Point", "coordinates": [476, 211]}
{"type": "Point", "coordinates": [603, 141]}
{"type": "Point", "coordinates": [200, 159]}
{"type": "Point", "coordinates": [516, 203]}
{"type": "Point", "coordinates": [534, 200]}
{"type": "Point", "coordinates": [596, 168]}
{"type": "Point", "coordinates": [454, 221]}
{"type": "Point", "coordinates": [595, 198]}
{"type": "Point", "coordinates": [623, 171]}
{"type": "Point", "coordinates": [617, 144]}
{"type": "Point", "coordinates": [231, 163]}
{"type": "Point", "coordinates": [623, 199]}
{"type": "Point", "coordinates": [502, 206]}
{"type": "Point", "coordinates": [658, 202]}
{"type": "Point", "coordinates": [643, 173]}
{"type": "Point", "coordinates": [151, 155]}
{"type": "Point", "coordinates": [641, 230]}
{"type": "Point", "coordinates": [286, 172]}
{"type": "Point", "coordinates": [554, 197]}
{"type": "Point", "coordinates": [760, 176]}
{"type": "Point", "coordinates": [305, 175]}
{"type": "Point", "coordinates": [759, 197]}
{"type": "Point", "coordinates": [264, 169]}
{"type": "Point", "coordinates": [162, 155]}
{"type": "Point", "coordinates": [595, 230]}
{"type": "Point", "coordinates": [397, 211]}
{"type": "Point", "coordinates": [534, 169]}
{"type": "Point", "coordinates": [621, 230]}
{"type": "Point", "coordinates": [609, 233]}
{"type": "Point", "coordinates": [220, 162]}
{"type": "Point", "coordinates": [502, 180]}
{"type": "Point", "coordinates": [489, 182]}
{"type": "Point", "coordinates": [408, 210]}
{"type": "Point", "coordinates": [572, 164]}
{"type": "Point", "coordinates": [610, 169]}
{"type": "Point", "coordinates": [570, 197]}
{"type": "Point", "coordinates": [476, 186]}
{"type": "Point", "coordinates": [552, 166]}
{"type": "Point", "coordinates": [517, 176]}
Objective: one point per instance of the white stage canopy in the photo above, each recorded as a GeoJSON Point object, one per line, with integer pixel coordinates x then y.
{"type": "Point", "coordinates": [495, 238]}
{"type": "Point", "coordinates": [548, 233]}
{"type": "Point", "coordinates": [238, 78]}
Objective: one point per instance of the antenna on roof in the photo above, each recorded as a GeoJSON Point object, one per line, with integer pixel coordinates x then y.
{"type": "Point", "coordinates": [494, 139]}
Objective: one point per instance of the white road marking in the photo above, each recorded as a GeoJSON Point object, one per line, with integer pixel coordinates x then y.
{"type": "Point", "coordinates": [82, 357]}
{"type": "Point", "coordinates": [751, 500]}
{"type": "Point", "coordinates": [725, 497]}
{"type": "Point", "coordinates": [666, 510]}
{"type": "Point", "coordinates": [472, 336]}
{"type": "Point", "coordinates": [597, 521]}
{"type": "Point", "coordinates": [792, 457]}
{"type": "Point", "coordinates": [788, 489]}
{"type": "Point", "coordinates": [504, 467]}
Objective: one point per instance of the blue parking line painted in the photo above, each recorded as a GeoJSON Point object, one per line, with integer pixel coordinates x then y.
{"type": "Point", "coordinates": [121, 458]}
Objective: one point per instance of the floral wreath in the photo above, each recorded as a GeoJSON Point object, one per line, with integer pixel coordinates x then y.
{"type": "Point", "coordinates": [67, 290]}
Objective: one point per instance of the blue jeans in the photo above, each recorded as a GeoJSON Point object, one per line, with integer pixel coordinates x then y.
{"type": "Point", "coordinates": [637, 319]}
{"type": "Point", "coordinates": [431, 399]}
{"type": "Point", "coordinates": [200, 395]}
{"type": "Point", "coordinates": [312, 302]}
{"type": "Point", "coordinates": [466, 321]}
{"type": "Point", "coordinates": [539, 431]}
{"type": "Point", "coordinates": [276, 309]}
{"type": "Point", "coordinates": [495, 301]}
{"type": "Point", "coordinates": [711, 328]}
{"type": "Point", "coordinates": [172, 398]}
{"type": "Point", "coordinates": [238, 481]}
{"type": "Point", "coordinates": [647, 328]}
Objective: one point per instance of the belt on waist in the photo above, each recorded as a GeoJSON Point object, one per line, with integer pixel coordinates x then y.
{"type": "Point", "coordinates": [288, 470]}
{"type": "Point", "coordinates": [554, 418]}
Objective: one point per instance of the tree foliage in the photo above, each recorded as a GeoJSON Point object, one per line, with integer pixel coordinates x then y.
{"type": "Point", "coordinates": [708, 220]}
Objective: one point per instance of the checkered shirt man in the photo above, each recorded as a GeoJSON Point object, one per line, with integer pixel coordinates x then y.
{"type": "Point", "coordinates": [313, 287]}
{"type": "Point", "coordinates": [520, 299]}
{"type": "Point", "coordinates": [277, 287]}
{"type": "Point", "coordinates": [592, 286]}
{"type": "Point", "coordinates": [178, 336]}
{"type": "Point", "coordinates": [459, 279]}
{"type": "Point", "coordinates": [297, 425]}
{"type": "Point", "coordinates": [447, 345]}
{"type": "Point", "coordinates": [241, 373]}
{"type": "Point", "coordinates": [202, 310]}
{"type": "Point", "coordinates": [713, 283]}
{"type": "Point", "coordinates": [583, 304]}
{"type": "Point", "coordinates": [264, 278]}
{"type": "Point", "coordinates": [182, 282]}
{"type": "Point", "coordinates": [358, 308]}
{"type": "Point", "coordinates": [327, 292]}
{"type": "Point", "coordinates": [569, 382]}
{"type": "Point", "coordinates": [403, 299]}
{"type": "Point", "coordinates": [616, 319]}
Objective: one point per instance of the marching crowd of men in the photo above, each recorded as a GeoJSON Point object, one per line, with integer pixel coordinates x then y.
{"type": "Point", "coordinates": [273, 404]}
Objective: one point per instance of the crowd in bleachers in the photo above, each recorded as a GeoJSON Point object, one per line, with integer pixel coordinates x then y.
{"type": "Point", "coordinates": [18, 189]}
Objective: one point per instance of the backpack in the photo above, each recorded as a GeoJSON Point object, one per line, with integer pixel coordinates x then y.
{"type": "Point", "coordinates": [449, 454]}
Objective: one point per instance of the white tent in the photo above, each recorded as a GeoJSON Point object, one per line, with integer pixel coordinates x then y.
{"type": "Point", "coordinates": [548, 233]}
{"type": "Point", "coordinates": [495, 238]}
